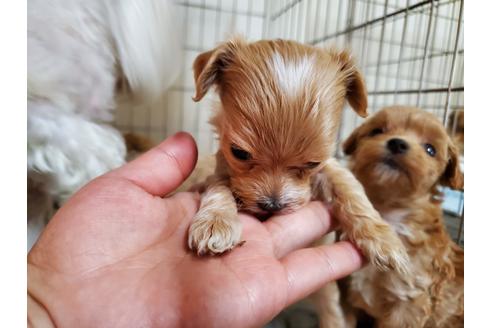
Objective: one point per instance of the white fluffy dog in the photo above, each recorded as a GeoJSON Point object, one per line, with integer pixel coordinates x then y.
{"type": "Point", "coordinates": [78, 52]}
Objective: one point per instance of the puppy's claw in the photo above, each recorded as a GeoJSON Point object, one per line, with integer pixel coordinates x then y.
{"type": "Point", "coordinates": [213, 234]}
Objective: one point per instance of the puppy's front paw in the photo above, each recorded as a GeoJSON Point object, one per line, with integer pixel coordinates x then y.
{"type": "Point", "coordinates": [211, 233]}
{"type": "Point", "coordinates": [384, 249]}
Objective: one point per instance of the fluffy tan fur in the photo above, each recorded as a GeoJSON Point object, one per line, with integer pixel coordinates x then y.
{"type": "Point", "coordinates": [402, 187]}
{"type": "Point", "coordinates": [280, 107]}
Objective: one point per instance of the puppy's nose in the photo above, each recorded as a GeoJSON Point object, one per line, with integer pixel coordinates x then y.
{"type": "Point", "coordinates": [270, 204]}
{"type": "Point", "coordinates": [397, 146]}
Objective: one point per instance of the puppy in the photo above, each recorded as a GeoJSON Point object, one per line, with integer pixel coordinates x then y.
{"type": "Point", "coordinates": [401, 155]}
{"type": "Point", "coordinates": [280, 107]}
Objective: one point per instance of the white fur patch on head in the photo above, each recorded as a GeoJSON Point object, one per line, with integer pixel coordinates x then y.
{"type": "Point", "coordinates": [292, 75]}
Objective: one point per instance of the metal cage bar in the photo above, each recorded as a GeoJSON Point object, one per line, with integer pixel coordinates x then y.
{"type": "Point", "coordinates": [453, 65]}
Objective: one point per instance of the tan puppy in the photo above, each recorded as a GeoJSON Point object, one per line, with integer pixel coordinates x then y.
{"type": "Point", "coordinates": [277, 124]}
{"type": "Point", "coordinates": [401, 155]}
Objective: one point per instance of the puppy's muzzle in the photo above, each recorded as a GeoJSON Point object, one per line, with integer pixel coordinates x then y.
{"type": "Point", "coordinates": [397, 146]}
{"type": "Point", "coordinates": [271, 204]}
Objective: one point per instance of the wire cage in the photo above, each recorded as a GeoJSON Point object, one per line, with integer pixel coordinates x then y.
{"type": "Point", "coordinates": [410, 52]}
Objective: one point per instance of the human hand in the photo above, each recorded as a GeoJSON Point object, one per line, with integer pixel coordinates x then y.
{"type": "Point", "coordinates": [115, 255]}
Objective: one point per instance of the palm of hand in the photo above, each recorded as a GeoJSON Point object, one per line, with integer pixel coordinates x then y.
{"type": "Point", "coordinates": [127, 258]}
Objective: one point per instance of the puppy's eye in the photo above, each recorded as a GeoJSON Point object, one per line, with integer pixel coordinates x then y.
{"type": "Point", "coordinates": [304, 167]}
{"type": "Point", "coordinates": [311, 165]}
{"type": "Point", "coordinates": [429, 149]}
{"type": "Point", "coordinates": [375, 132]}
{"type": "Point", "coordinates": [240, 154]}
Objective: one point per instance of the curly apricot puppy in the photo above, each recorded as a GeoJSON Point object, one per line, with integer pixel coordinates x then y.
{"type": "Point", "coordinates": [401, 155]}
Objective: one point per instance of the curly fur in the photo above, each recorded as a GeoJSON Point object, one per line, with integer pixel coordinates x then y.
{"type": "Point", "coordinates": [433, 297]}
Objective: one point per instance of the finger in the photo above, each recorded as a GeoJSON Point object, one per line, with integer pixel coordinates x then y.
{"type": "Point", "coordinates": [310, 268]}
{"type": "Point", "coordinates": [163, 168]}
{"type": "Point", "coordinates": [299, 229]}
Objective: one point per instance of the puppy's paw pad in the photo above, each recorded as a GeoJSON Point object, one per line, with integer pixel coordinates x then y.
{"type": "Point", "coordinates": [214, 234]}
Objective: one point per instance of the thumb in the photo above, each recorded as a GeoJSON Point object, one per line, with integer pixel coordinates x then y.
{"type": "Point", "coordinates": [163, 168]}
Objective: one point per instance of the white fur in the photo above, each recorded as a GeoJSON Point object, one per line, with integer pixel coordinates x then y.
{"type": "Point", "coordinates": [385, 173]}
{"type": "Point", "coordinates": [141, 31]}
{"type": "Point", "coordinates": [396, 220]}
{"type": "Point", "coordinates": [77, 50]}
{"type": "Point", "coordinates": [292, 76]}
{"type": "Point", "coordinates": [64, 150]}
{"type": "Point", "coordinates": [291, 193]}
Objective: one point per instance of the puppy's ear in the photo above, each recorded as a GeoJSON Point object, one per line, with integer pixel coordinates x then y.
{"type": "Point", "coordinates": [356, 87]}
{"type": "Point", "coordinates": [350, 144]}
{"type": "Point", "coordinates": [452, 176]}
{"type": "Point", "coordinates": [208, 66]}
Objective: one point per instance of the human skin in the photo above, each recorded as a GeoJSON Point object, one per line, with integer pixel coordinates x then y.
{"type": "Point", "coordinates": [115, 255]}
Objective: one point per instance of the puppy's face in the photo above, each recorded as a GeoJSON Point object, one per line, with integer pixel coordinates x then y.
{"type": "Point", "coordinates": [280, 109]}
{"type": "Point", "coordinates": [403, 152]}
